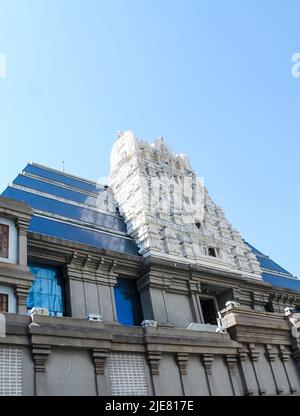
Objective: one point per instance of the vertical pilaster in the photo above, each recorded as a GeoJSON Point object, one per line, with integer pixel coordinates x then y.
{"type": "Point", "coordinates": [22, 226]}
{"type": "Point", "coordinates": [182, 360]}
{"type": "Point", "coordinates": [21, 292]}
{"type": "Point", "coordinates": [271, 357]}
{"type": "Point", "coordinates": [153, 359]}
{"type": "Point", "coordinates": [285, 356]}
{"type": "Point", "coordinates": [40, 354]}
{"type": "Point", "coordinates": [195, 289]}
{"type": "Point", "coordinates": [99, 356]}
{"type": "Point", "coordinates": [231, 361]}
{"type": "Point", "coordinates": [244, 370]}
{"type": "Point", "coordinates": [207, 361]}
{"type": "Point", "coordinates": [254, 357]}
{"type": "Point", "coordinates": [112, 281]}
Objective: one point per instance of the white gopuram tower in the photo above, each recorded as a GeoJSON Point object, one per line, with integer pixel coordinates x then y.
{"type": "Point", "coordinates": [168, 210]}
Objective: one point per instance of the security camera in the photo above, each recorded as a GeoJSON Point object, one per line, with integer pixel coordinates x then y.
{"type": "Point", "coordinates": [289, 310]}
{"type": "Point", "coordinates": [232, 304]}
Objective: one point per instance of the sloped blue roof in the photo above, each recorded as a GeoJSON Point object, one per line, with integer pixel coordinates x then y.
{"type": "Point", "coordinates": [76, 209]}
{"type": "Point", "coordinates": [71, 208]}
{"type": "Point", "coordinates": [288, 283]}
{"type": "Point", "coordinates": [273, 273]}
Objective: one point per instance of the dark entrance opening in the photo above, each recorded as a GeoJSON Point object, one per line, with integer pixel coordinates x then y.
{"type": "Point", "coordinates": [208, 311]}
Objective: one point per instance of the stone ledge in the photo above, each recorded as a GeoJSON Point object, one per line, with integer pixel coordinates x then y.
{"type": "Point", "coordinates": [14, 208]}
{"type": "Point", "coordinates": [80, 333]}
{"type": "Point", "coordinates": [257, 327]}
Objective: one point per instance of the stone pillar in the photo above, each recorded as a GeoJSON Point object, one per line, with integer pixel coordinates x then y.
{"type": "Point", "coordinates": [231, 361]}
{"type": "Point", "coordinates": [40, 354]}
{"type": "Point", "coordinates": [112, 281]}
{"type": "Point", "coordinates": [22, 226]}
{"type": "Point", "coordinates": [182, 360]}
{"type": "Point", "coordinates": [195, 290]}
{"type": "Point", "coordinates": [106, 278]}
{"type": "Point", "coordinates": [244, 370]}
{"type": "Point", "coordinates": [99, 356]}
{"type": "Point", "coordinates": [153, 287]}
{"type": "Point", "coordinates": [153, 359]}
{"type": "Point", "coordinates": [284, 357]}
{"type": "Point", "coordinates": [271, 357]}
{"type": "Point", "coordinates": [21, 292]}
{"type": "Point", "coordinates": [254, 357]}
{"type": "Point", "coordinates": [207, 361]}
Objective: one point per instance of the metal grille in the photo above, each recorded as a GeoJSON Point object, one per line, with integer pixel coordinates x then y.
{"type": "Point", "coordinates": [10, 371]}
{"type": "Point", "coordinates": [127, 375]}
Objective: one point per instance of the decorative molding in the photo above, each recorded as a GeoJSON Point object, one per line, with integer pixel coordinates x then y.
{"type": "Point", "coordinates": [153, 358]}
{"type": "Point", "coordinates": [40, 251]}
{"type": "Point", "coordinates": [22, 225]}
{"type": "Point", "coordinates": [40, 354]}
{"type": "Point", "coordinates": [270, 353]}
{"type": "Point", "coordinates": [182, 360]}
{"type": "Point", "coordinates": [22, 292]}
{"type": "Point", "coordinates": [99, 356]}
{"type": "Point", "coordinates": [284, 355]}
{"type": "Point", "coordinates": [207, 360]}
{"type": "Point", "coordinates": [195, 286]}
{"type": "Point", "coordinates": [253, 353]}
{"type": "Point", "coordinates": [231, 361]}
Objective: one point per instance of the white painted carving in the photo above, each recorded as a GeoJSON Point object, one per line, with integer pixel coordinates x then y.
{"type": "Point", "coordinates": [168, 210]}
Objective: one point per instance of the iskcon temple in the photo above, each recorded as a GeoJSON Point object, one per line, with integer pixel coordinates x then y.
{"type": "Point", "coordinates": [138, 287]}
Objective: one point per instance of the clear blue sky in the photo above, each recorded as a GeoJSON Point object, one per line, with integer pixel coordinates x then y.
{"type": "Point", "coordinates": [212, 77]}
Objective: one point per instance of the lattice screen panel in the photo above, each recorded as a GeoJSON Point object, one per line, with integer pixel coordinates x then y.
{"type": "Point", "coordinates": [127, 375]}
{"type": "Point", "coordinates": [10, 371]}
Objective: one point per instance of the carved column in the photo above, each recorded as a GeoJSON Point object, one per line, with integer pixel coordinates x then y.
{"type": "Point", "coordinates": [271, 357]}
{"type": "Point", "coordinates": [207, 361]}
{"type": "Point", "coordinates": [99, 356]}
{"type": "Point", "coordinates": [182, 360]}
{"type": "Point", "coordinates": [153, 358]}
{"type": "Point", "coordinates": [21, 292]}
{"type": "Point", "coordinates": [22, 226]}
{"type": "Point", "coordinates": [40, 354]}
{"type": "Point", "coordinates": [106, 277]}
{"type": "Point", "coordinates": [284, 356]}
{"type": "Point", "coordinates": [244, 370]}
{"type": "Point", "coordinates": [195, 290]}
{"type": "Point", "coordinates": [254, 357]}
{"type": "Point", "coordinates": [112, 281]}
{"type": "Point", "coordinates": [231, 361]}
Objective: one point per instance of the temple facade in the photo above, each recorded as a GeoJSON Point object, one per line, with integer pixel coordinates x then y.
{"type": "Point", "coordinates": [138, 287]}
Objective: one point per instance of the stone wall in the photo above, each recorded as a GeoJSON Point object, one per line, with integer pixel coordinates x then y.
{"type": "Point", "coordinates": [68, 356]}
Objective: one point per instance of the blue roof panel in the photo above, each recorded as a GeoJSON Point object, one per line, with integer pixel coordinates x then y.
{"type": "Point", "coordinates": [66, 210]}
{"type": "Point", "coordinates": [287, 280]}
{"type": "Point", "coordinates": [55, 190]}
{"type": "Point", "coordinates": [82, 235]}
{"type": "Point", "coordinates": [271, 265]}
{"type": "Point", "coordinates": [293, 284]}
{"type": "Point", "coordinates": [267, 263]}
{"type": "Point", "coordinates": [61, 177]}
{"type": "Point", "coordinates": [255, 251]}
